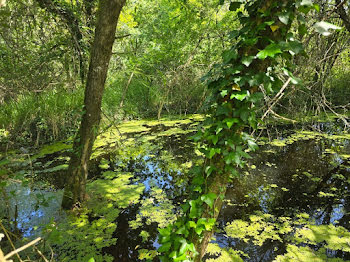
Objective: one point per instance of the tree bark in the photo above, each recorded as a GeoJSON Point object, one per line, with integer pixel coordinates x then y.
{"type": "Point", "coordinates": [343, 14]}
{"type": "Point", "coordinates": [108, 14]}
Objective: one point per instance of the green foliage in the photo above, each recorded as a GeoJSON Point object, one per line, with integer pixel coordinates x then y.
{"type": "Point", "coordinates": [40, 118]}
{"type": "Point", "coordinates": [171, 45]}
{"type": "Point", "coordinates": [35, 51]}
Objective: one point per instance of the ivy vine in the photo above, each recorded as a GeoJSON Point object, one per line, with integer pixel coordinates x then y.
{"type": "Point", "coordinates": [263, 49]}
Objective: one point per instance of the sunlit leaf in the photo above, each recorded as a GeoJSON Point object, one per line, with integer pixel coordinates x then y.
{"type": "Point", "coordinates": [270, 51]}
{"type": "Point", "coordinates": [324, 27]}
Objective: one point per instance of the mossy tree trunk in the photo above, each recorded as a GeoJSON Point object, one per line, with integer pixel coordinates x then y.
{"type": "Point", "coordinates": [108, 14]}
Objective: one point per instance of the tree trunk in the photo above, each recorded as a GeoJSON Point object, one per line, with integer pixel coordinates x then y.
{"type": "Point", "coordinates": [160, 109]}
{"type": "Point", "coordinates": [108, 14]}
{"type": "Point", "coordinates": [126, 91]}
{"type": "Point", "coordinates": [217, 186]}
{"type": "Point", "coordinates": [343, 14]}
{"type": "Point", "coordinates": [219, 182]}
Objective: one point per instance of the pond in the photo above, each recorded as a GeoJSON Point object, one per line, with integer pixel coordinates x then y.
{"type": "Point", "coordinates": [292, 202]}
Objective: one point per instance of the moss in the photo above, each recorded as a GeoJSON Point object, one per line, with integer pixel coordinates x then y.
{"type": "Point", "coordinates": [155, 209]}
{"type": "Point", "coordinates": [117, 190]}
{"type": "Point", "coordinates": [258, 230]}
{"type": "Point", "coordinates": [50, 149]}
{"type": "Point", "coordinates": [305, 254]}
{"type": "Point", "coordinates": [335, 237]}
{"type": "Point", "coordinates": [301, 230]}
{"type": "Point", "coordinates": [54, 169]}
{"type": "Point", "coordinates": [175, 131]}
{"type": "Point", "coordinates": [222, 254]}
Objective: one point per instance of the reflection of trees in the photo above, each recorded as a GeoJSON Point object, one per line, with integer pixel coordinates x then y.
{"type": "Point", "coordinates": [305, 182]}
{"type": "Point", "coordinates": [154, 167]}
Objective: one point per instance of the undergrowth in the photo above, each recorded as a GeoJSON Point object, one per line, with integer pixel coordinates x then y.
{"type": "Point", "coordinates": [40, 118]}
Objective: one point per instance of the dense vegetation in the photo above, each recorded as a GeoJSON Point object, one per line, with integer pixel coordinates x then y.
{"type": "Point", "coordinates": [242, 73]}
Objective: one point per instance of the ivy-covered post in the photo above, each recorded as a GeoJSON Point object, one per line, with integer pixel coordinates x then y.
{"type": "Point", "coordinates": [250, 65]}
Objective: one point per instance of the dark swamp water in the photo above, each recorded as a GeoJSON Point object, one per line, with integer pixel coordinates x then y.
{"type": "Point", "coordinates": [286, 201]}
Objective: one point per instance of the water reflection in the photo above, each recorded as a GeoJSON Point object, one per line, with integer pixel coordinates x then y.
{"type": "Point", "coordinates": [297, 178]}
{"type": "Point", "coordinates": [29, 209]}
{"type": "Point", "coordinates": [307, 176]}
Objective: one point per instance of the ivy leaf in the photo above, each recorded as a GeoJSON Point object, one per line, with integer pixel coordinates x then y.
{"type": "Point", "coordinates": [208, 223]}
{"type": "Point", "coordinates": [307, 3]}
{"type": "Point", "coordinates": [252, 145]}
{"type": "Point", "coordinates": [209, 199]}
{"type": "Point", "coordinates": [183, 248]}
{"type": "Point", "coordinates": [194, 212]}
{"type": "Point", "coordinates": [244, 115]}
{"type": "Point", "coordinates": [274, 27]}
{"type": "Point", "coordinates": [284, 18]}
{"type": "Point", "coordinates": [270, 51]}
{"type": "Point", "coordinates": [199, 230]}
{"type": "Point", "coordinates": [164, 231]}
{"type": "Point", "coordinates": [223, 93]}
{"type": "Point", "coordinates": [191, 224]}
{"type": "Point", "coordinates": [181, 230]}
{"type": "Point", "coordinates": [247, 60]}
{"type": "Point", "coordinates": [181, 258]}
{"type": "Point", "coordinates": [317, 7]}
{"type": "Point", "coordinates": [209, 170]}
{"type": "Point", "coordinates": [212, 152]}
{"type": "Point", "coordinates": [295, 47]}
{"type": "Point", "coordinates": [240, 95]}
{"type": "Point", "coordinates": [256, 97]}
{"type": "Point", "coordinates": [215, 139]}
{"type": "Point", "coordinates": [165, 247]}
{"type": "Point", "coordinates": [234, 6]}
{"type": "Point", "coordinates": [229, 55]}
{"type": "Point", "coordinates": [218, 130]}
{"type": "Point", "coordinates": [324, 27]}
{"type": "Point", "coordinates": [302, 29]}
{"type": "Point", "coordinates": [231, 121]}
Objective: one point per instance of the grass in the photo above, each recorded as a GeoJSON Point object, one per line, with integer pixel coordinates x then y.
{"type": "Point", "coordinates": [41, 118]}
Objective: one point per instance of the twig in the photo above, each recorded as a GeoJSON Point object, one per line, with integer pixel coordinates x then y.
{"type": "Point", "coordinates": [22, 248]}
{"type": "Point", "coordinates": [282, 117]}
{"type": "Point", "coordinates": [9, 239]}
{"type": "Point", "coordinates": [41, 254]}
{"type": "Point", "coordinates": [112, 124]}
{"type": "Point", "coordinates": [126, 90]}
{"type": "Point", "coordinates": [277, 97]}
